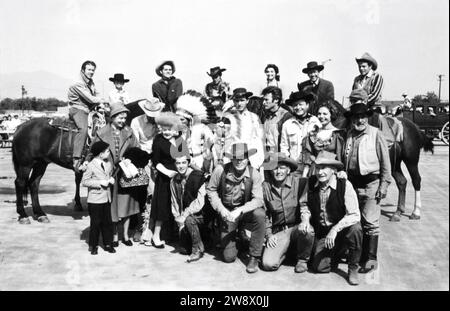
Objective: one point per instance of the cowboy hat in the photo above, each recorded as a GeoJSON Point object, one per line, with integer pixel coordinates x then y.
{"type": "Point", "coordinates": [359, 95]}
{"type": "Point", "coordinates": [151, 107]}
{"type": "Point", "coordinates": [404, 94]}
{"type": "Point", "coordinates": [327, 158]}
{"type": "Point", "coordinates": [241, 92]}
{"type": "Point", "coordinates": [169, 119]}
{"type": "Point", "coordinates": [368, 58]}
{"type": "Point", "coordinates": [215, 71]}
{"type": "Point", "coordinates": [167, 62]}
{"type": "Point", "coordinates": [117, 108]}
{"type": "Point", "coordinates": [358, 109]}
{"type": "Point", "coordinates": [119, 77]}
{"type": "Point", "coordinates": [312, 66]}
{"type": "Point", "coordinates": [296, 96]}
{"type": "Point", "coordinates": [281, 158]}
{"type": "Point", "coordinates": [240, 151]}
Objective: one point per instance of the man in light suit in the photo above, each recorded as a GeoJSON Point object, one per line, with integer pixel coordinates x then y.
{"type": "Point", "coordinates": [323, 89]}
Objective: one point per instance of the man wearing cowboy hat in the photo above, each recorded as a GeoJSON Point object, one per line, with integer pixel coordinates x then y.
{"type": "Point", "coordinates": [334, 214]}
{"type": "Point", "coordinates": [168, 88]}
{"type": "Point", "coordinates": [217, 87]}
{"type": "Point", "coordinates": [323, 89]}
{"type": "Point", "coordinates": [369, 80]}
{"type": "Point", "coordinates": [285, 195]}
{"type": "Point", "coordinates": [119, 95]}
{"type": "Point", "coordinates": [297, 128]}
{"type": "Point", "coordinates": [83, 98]}
{"type": "Point", "coordinates": [235, 192]}
{"type": "Point", "coordinates": [249, 128]}
{"type": "Point", "coordinates": [367, 164]}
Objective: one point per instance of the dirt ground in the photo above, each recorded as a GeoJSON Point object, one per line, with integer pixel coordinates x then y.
{"type": "Point", "coordinates": [413, 255]}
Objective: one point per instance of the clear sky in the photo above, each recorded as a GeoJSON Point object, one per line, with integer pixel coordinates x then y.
{"type": "Point", "coordinates": [409, 39]}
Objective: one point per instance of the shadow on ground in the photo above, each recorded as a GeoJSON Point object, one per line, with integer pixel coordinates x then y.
{"type": "Point", "coordinates": [67, 210]}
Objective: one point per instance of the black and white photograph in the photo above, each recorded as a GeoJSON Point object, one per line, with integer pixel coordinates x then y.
{"type": "Point", "coordinates": [224, 146]}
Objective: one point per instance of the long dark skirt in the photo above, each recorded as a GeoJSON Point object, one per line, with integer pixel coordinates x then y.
{"type": "Point", "coordinates": [161, 201]}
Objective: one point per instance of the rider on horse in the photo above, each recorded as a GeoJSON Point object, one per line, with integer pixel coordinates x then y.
{"type": "Point", "coordinates": [83, 98]}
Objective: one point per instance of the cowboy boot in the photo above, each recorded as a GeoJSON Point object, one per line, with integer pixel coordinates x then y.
{"type": "Point", "coordinates": [364, 252]}
{"type": "Point", "coordinates": [371, 263]}
{"type": "Point", "coordinates": [353, 278]}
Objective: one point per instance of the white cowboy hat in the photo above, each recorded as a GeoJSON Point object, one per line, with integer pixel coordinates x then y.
{"type": "Point", "coordinates": [152, 106]}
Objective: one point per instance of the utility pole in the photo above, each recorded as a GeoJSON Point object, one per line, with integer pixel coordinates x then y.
{"type": "Point", "coordinates": [440, 81]}
{"type": "Point", "coordinates": [24, 92]}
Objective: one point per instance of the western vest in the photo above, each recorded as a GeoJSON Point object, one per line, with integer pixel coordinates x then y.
{"type": "Point", "coordinates": [335, 207]}
{"type": "Point", "coordinates": [368, 161]}
{"type": "Point", "coordinates": [193, 183]}
{"type": "Point", "coordinates": [248, 183]}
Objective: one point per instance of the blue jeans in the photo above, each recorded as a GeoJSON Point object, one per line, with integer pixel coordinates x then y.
{"type": "Point", "coordinates": [191, 227]}
{"type": "Point", "coordinates": [274, 256]}
{"type": "Point", "coordinates": [370, 209]}
{"type": "Point", "coordinates": [255, 222]}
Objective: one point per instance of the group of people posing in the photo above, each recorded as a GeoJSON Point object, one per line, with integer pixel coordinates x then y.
{"type": "Point", "coordinates": [282, 179]}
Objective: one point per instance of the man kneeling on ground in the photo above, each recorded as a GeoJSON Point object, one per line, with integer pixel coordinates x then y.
{"type": "Point", "coordinates": [335, 216]}
{"type": "Point", "coordinates": [188, 198]}
{"type": "Point", "coordinates": [235, 192]}
{"type": "Point", "coordinates": [285, 195]}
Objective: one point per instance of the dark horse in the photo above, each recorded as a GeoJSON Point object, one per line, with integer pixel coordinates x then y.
{"type": "Point", "coordinates": [36, 144]}
{"type": "Point", "coordinates": [406, 151]}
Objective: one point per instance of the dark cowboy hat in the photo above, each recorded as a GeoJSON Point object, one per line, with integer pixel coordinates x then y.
{"type": "Point", "coordinates": [215, 71]}
{"type": "Point", "coordinates": [368, 58]}
{"type": "Point", "coordinates": [312, 66]}
{"type": "Point", "coordinates": [119, 77]}
{"type": "Point", "coordinates": [241, 92]}
{"type": "Point", "coordinates": [327, 158]}
{"type": "Point", "coordinates": [303, 95]}
{"type": "Point", "coordinates": [358, 109]}
{"type": "Point", "coordinates": [281, 158]}
{"type": "Point", "coordinates": [167, 62]}
{"type": "Point", "coordinates": [240, 151]}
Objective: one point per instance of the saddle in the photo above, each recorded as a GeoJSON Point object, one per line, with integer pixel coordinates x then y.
{"type": "Point", "coordinates": [392, 129]}
{"type": "Point", "coordinates": [68, 129]}
{"type": "Point", "coordinates": [63, 124]}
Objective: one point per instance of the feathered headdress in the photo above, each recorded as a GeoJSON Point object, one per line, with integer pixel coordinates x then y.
{"type": "Point", "coordinates": [192, 104]}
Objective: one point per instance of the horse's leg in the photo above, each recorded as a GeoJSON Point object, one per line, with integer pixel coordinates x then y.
{"type": "Point", "coordinates": [23, 172]}
{"type": "Point", "coordinates": [395, 155]}
{"type": "Point", "coordinates": [35, 180]}
{"type": "Point", "coordinates": [413, 170]}
{"type": "Point", "coordinates": [78, 207]}
{"type": "Point", "coordinates": [401, 182]}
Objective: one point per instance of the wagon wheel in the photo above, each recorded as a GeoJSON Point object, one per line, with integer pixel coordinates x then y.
{"type": "Point", "coordinates": [444, 133]}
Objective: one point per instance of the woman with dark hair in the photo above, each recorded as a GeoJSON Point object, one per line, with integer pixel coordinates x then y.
{"type": "Point", "coordinates": [273, 75]}
{"type": "Point", "coordinates": [328, 137]}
